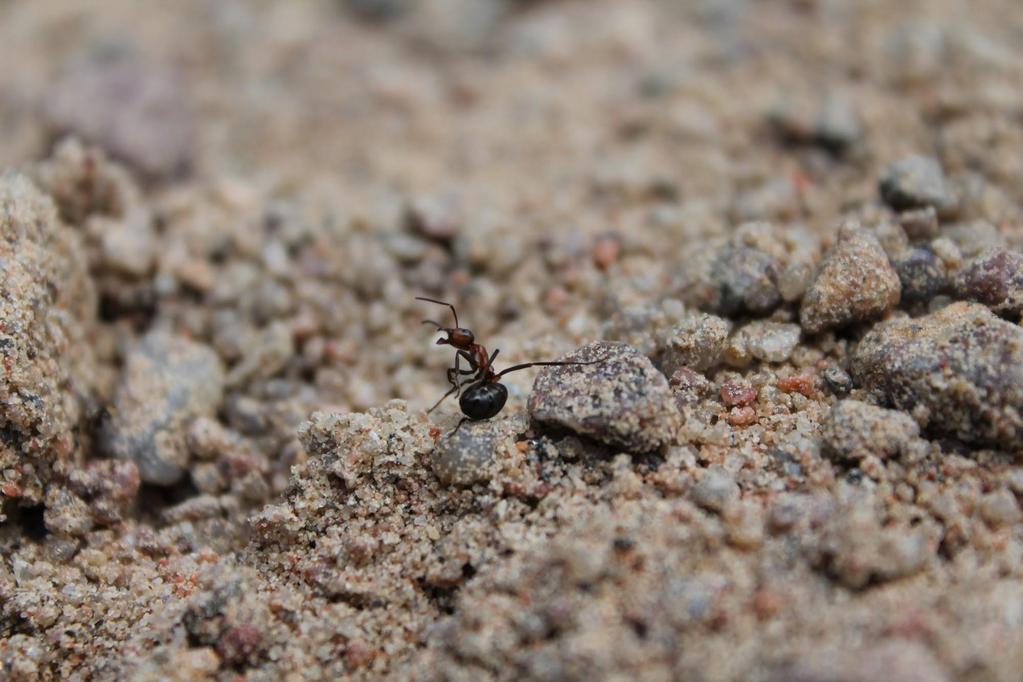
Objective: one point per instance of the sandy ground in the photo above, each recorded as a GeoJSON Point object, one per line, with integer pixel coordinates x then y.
{"type": "Point", "coordinates": [785, 235]}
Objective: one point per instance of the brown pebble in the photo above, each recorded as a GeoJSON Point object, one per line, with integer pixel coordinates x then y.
{"type": "Point", "coordinates": [800, 383]}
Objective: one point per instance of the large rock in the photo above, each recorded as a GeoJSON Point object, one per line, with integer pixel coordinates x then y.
{"type": "Point", "coordinates": [167, 382]}
{"type": "Point", "coordinates": [46, 302]}
{"type": "Point", "coordinates": [959, 371]}
{"type": "Point", "coordinates": [621, 400]}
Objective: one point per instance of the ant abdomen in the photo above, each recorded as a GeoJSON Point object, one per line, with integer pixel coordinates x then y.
{"type": "Point", "coordinates": [483, 400]}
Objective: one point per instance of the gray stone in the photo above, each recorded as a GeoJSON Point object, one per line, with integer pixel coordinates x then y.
{"type": "Point", "coordinates": [697, 343]}
{"type": "Point", "coordinates": [917, 182]}
{"type": "Point", "coordinates": [166, 382]}
{"type": "Point", "coordinates": [467, 456]}
{"type": "Point", "coordinates": [621, 400]}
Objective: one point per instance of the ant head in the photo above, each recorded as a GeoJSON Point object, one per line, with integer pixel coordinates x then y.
{"type": "Point", "coordinates": [459, 337]}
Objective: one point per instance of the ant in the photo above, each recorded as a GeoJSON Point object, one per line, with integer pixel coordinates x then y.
{"type": "Point", "coordinates": [486, 395]}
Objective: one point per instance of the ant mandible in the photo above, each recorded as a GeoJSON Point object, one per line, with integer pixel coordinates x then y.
{"type": "Point", "coordinates": [486, 395]}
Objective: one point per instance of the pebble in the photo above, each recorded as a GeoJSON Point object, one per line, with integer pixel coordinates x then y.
{"type": "Point", "coordinates": [689, 385]}
{"type": "Point", "coordinates": [622, 400]}
{"type": "Point", "coordinates": [917, 182]}
{"type": "Point", "coordinates": [166, 382]}
{"type": "Point", "coordinates": [959, 370]}
{"type": "Point", "coordinates": [737, 393]}
{"type": "Point", "coordinates": [771, 341]}
{"type": "Point", "coordinates": [837, 380]}
{"type": "Point", "coordinates": [856, 283]}
{"type": "Point", "coordinates": [746, 279]}
{"type": "Point", "coordinates": [466, 457]}
{"type": "Point", "coordinates": [697, 343]}
{"type": "Point", "coordinates": [922, 275]}
{"type": "Point", "coordinates": [794, 281]}
{"type": "Point", "coordinates": [994, 278]}
{"type": "Point", "coordinates": [855, 430]}
{"type": "Point", "coordinates": [715, 490]}
{"type": "Point", "coordinates": [920, 224]}
{"type": "Point", "coordinates": [135, 109]}
{"type": "Point", "coordinates": [999, 508]}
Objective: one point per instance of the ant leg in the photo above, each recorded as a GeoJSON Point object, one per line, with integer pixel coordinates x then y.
{"type": "Point", "coordinates": [526, 365]}
{"type": "Point", "coordinates": [451, 390]}
{"type": "Point", "coordinates": [493, 356]}
{"type": "Point", "coordinates": [433, 300]}
{"type": "Point", "coordinates": [458, 426]}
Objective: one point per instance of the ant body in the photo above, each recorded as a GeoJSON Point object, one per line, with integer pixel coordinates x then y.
{"type": "Point", "coordinates": [486, 395]}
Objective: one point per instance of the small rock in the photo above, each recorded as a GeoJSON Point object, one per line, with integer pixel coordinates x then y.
{"type": "Point", "coordinates": [838, 126]}
{"type": "Point", "coordinates": [855, 430]}
{"type": "Point", "coordinates": [974, 238]}
{"type": "Point", "coordinates": [917, 182]}
{"type": "Point", "coordinates": [999, 508]}
{"type": "Point", "coordinates": [66, 514]}
{"type": "Point", "coordinates": [715, 490]}
{"type": "Point", "coordinates": [856, 283]}
{"type": "Point", "coordinates": [794, 281]}
{"type": "Point", "coordinates": [737, 394]}
{"type": "Point", "coordinates": [129, 246]}
{"type": "Point", "coordinates": [922, 275]}
{"type": "Point", "coordinates": [960, 371]}
{"type": "Point", "coordinates": [166, 382]}
{"type": "Point", "coordinates": [697, 343]}
{"type": "Point", "coordinates": [621, 400]}
{"type": "Point", "coordinates": [771, 341]}
{"type": "Point", "coordinates": [689, 385]}
{"type": "Point", "coordinates": [134, 109]}
{"type": "Point", "coordinates": [994, 278]}
{"type": "Point", "coordinates": [467, 456]}
{"type": "Point", "coordinates": [920, 224]}
{"type": "Point", "coordinates": [838, 380]}
{"type": "Point", "coordinates": [747, 281]}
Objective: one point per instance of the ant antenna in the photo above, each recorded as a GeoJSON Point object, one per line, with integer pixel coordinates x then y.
{"type": "Point", "coordinates": [433, 300]}
{"type": "Point", "coordinates": [526, 365]}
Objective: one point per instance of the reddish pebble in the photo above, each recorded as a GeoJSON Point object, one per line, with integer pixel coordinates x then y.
{"type": "Point", "coordinates": [239, 643]}
{"type": "Point", "coordinates": [737, 394]}
{"type": "Point", "coordinates": [767, 603]}
{"type": "Point", "coordinates": [801, 383]}
{"type": "Point", "coordinates": [742, 416]}
{"type": "Point", "coordinates": [359, 654]}
{"type": "Point", "coordinates": [11, 490]}
{"type": "Point", "coordinates": [605, 252]}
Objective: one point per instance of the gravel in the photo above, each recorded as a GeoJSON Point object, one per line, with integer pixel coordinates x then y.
{"type": "Point", "coordinates": [855, 283]}
{"type": "Point", "coordinates": [958, 371]}
{"type": "Point", "coordinates": [620, 400]}
{"type": "Point", "coordinates": [167, 381]}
